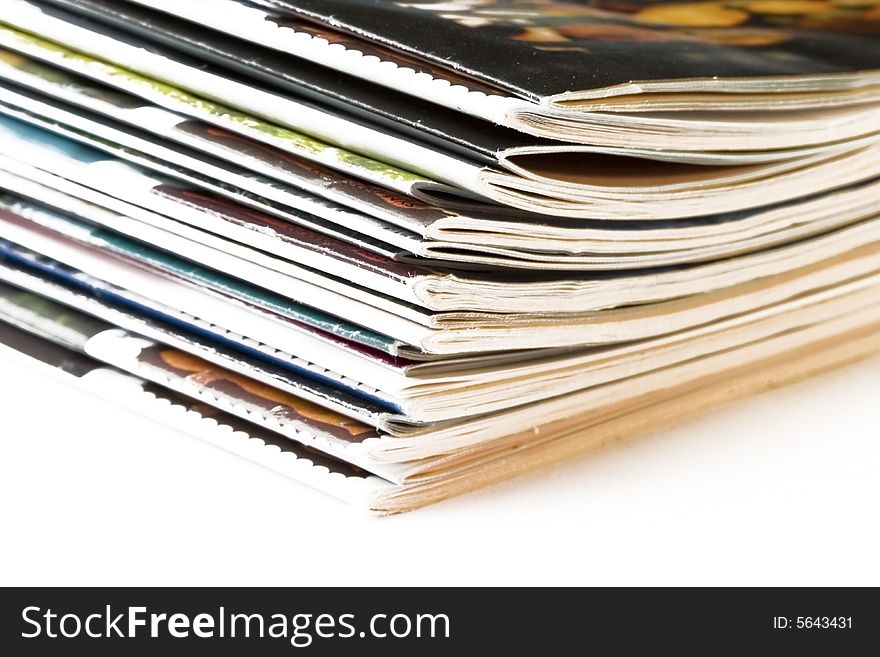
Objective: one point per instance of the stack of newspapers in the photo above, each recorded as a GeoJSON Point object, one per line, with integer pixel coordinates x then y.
{"type": "Point", "coordinates": [402, 249]}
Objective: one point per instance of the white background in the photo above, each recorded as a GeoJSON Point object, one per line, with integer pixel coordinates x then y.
{"type": "Point", "coordinates": [782, 488]}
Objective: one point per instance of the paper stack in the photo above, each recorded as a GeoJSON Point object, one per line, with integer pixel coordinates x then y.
{"type": "Point", "coordinates": [399, 250]}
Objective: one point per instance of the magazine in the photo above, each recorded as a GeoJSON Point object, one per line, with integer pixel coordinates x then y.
{"type": "Point", "coordinates": [402, 249]}
{"type": "Point", "coordinates": [253, 311]}
{"type": "Point", "coordinates": [24, 269]}
{"type": "Point", "coordinates": [457, 388]}
{"type": "Point", "coordinates": [193, 417]}
{"type": "Point", "coordinates": [575, 184]}
{"type": "Point", "coordinates": [473, 459]}
{"type": "Point", "coordinates": [386, 289]}
{"type": "Point", "coordinates": [463, 240]}
{"type": "Point", "coordinates": [691, 56]}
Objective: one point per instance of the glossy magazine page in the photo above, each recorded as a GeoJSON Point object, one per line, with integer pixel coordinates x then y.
{"type": "Point", "coordinates": [532, 180]}
{"type": "Point", "coordinates": [675, 41]}
{"type": "Point", "coordinates": [191, 416]}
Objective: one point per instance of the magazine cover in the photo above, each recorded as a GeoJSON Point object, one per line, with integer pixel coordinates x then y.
{"type": "Point", "coordinates": [191, 416]}
{"type": "Point", "coordinates": [275, 410]}
{"type": "Point", "coordinates": [253, 311]}
{"type": "Point", "coordinates": [548, 184]}
{"type": "Point", "coordinates": [529, 243]}
{"type": "Point", "coordinates": [255, 169]}
{"type": "Point", "coordinates": [500, 447]}
{"type": "Point", "coordinates": [29, 271]}
{"type": "Point", "coordinates": [457, 388]}
{"type": "Point", "coordinates": [407, 114]}
{"type": "Point", "coordinates": [590, 292]}
{"type": "Point", "coordinates": [719, 56]}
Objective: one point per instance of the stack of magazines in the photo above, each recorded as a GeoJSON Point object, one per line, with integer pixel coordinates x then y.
{"type": "Point", "coordinates": [402, 249]}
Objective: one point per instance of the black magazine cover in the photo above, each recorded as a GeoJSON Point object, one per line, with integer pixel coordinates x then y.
{"type": "Point", "coordinates": [515, 44]}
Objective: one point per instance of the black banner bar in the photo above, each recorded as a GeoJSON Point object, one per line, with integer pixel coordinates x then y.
{"type": "Point", "coordinates": [437, 621]}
